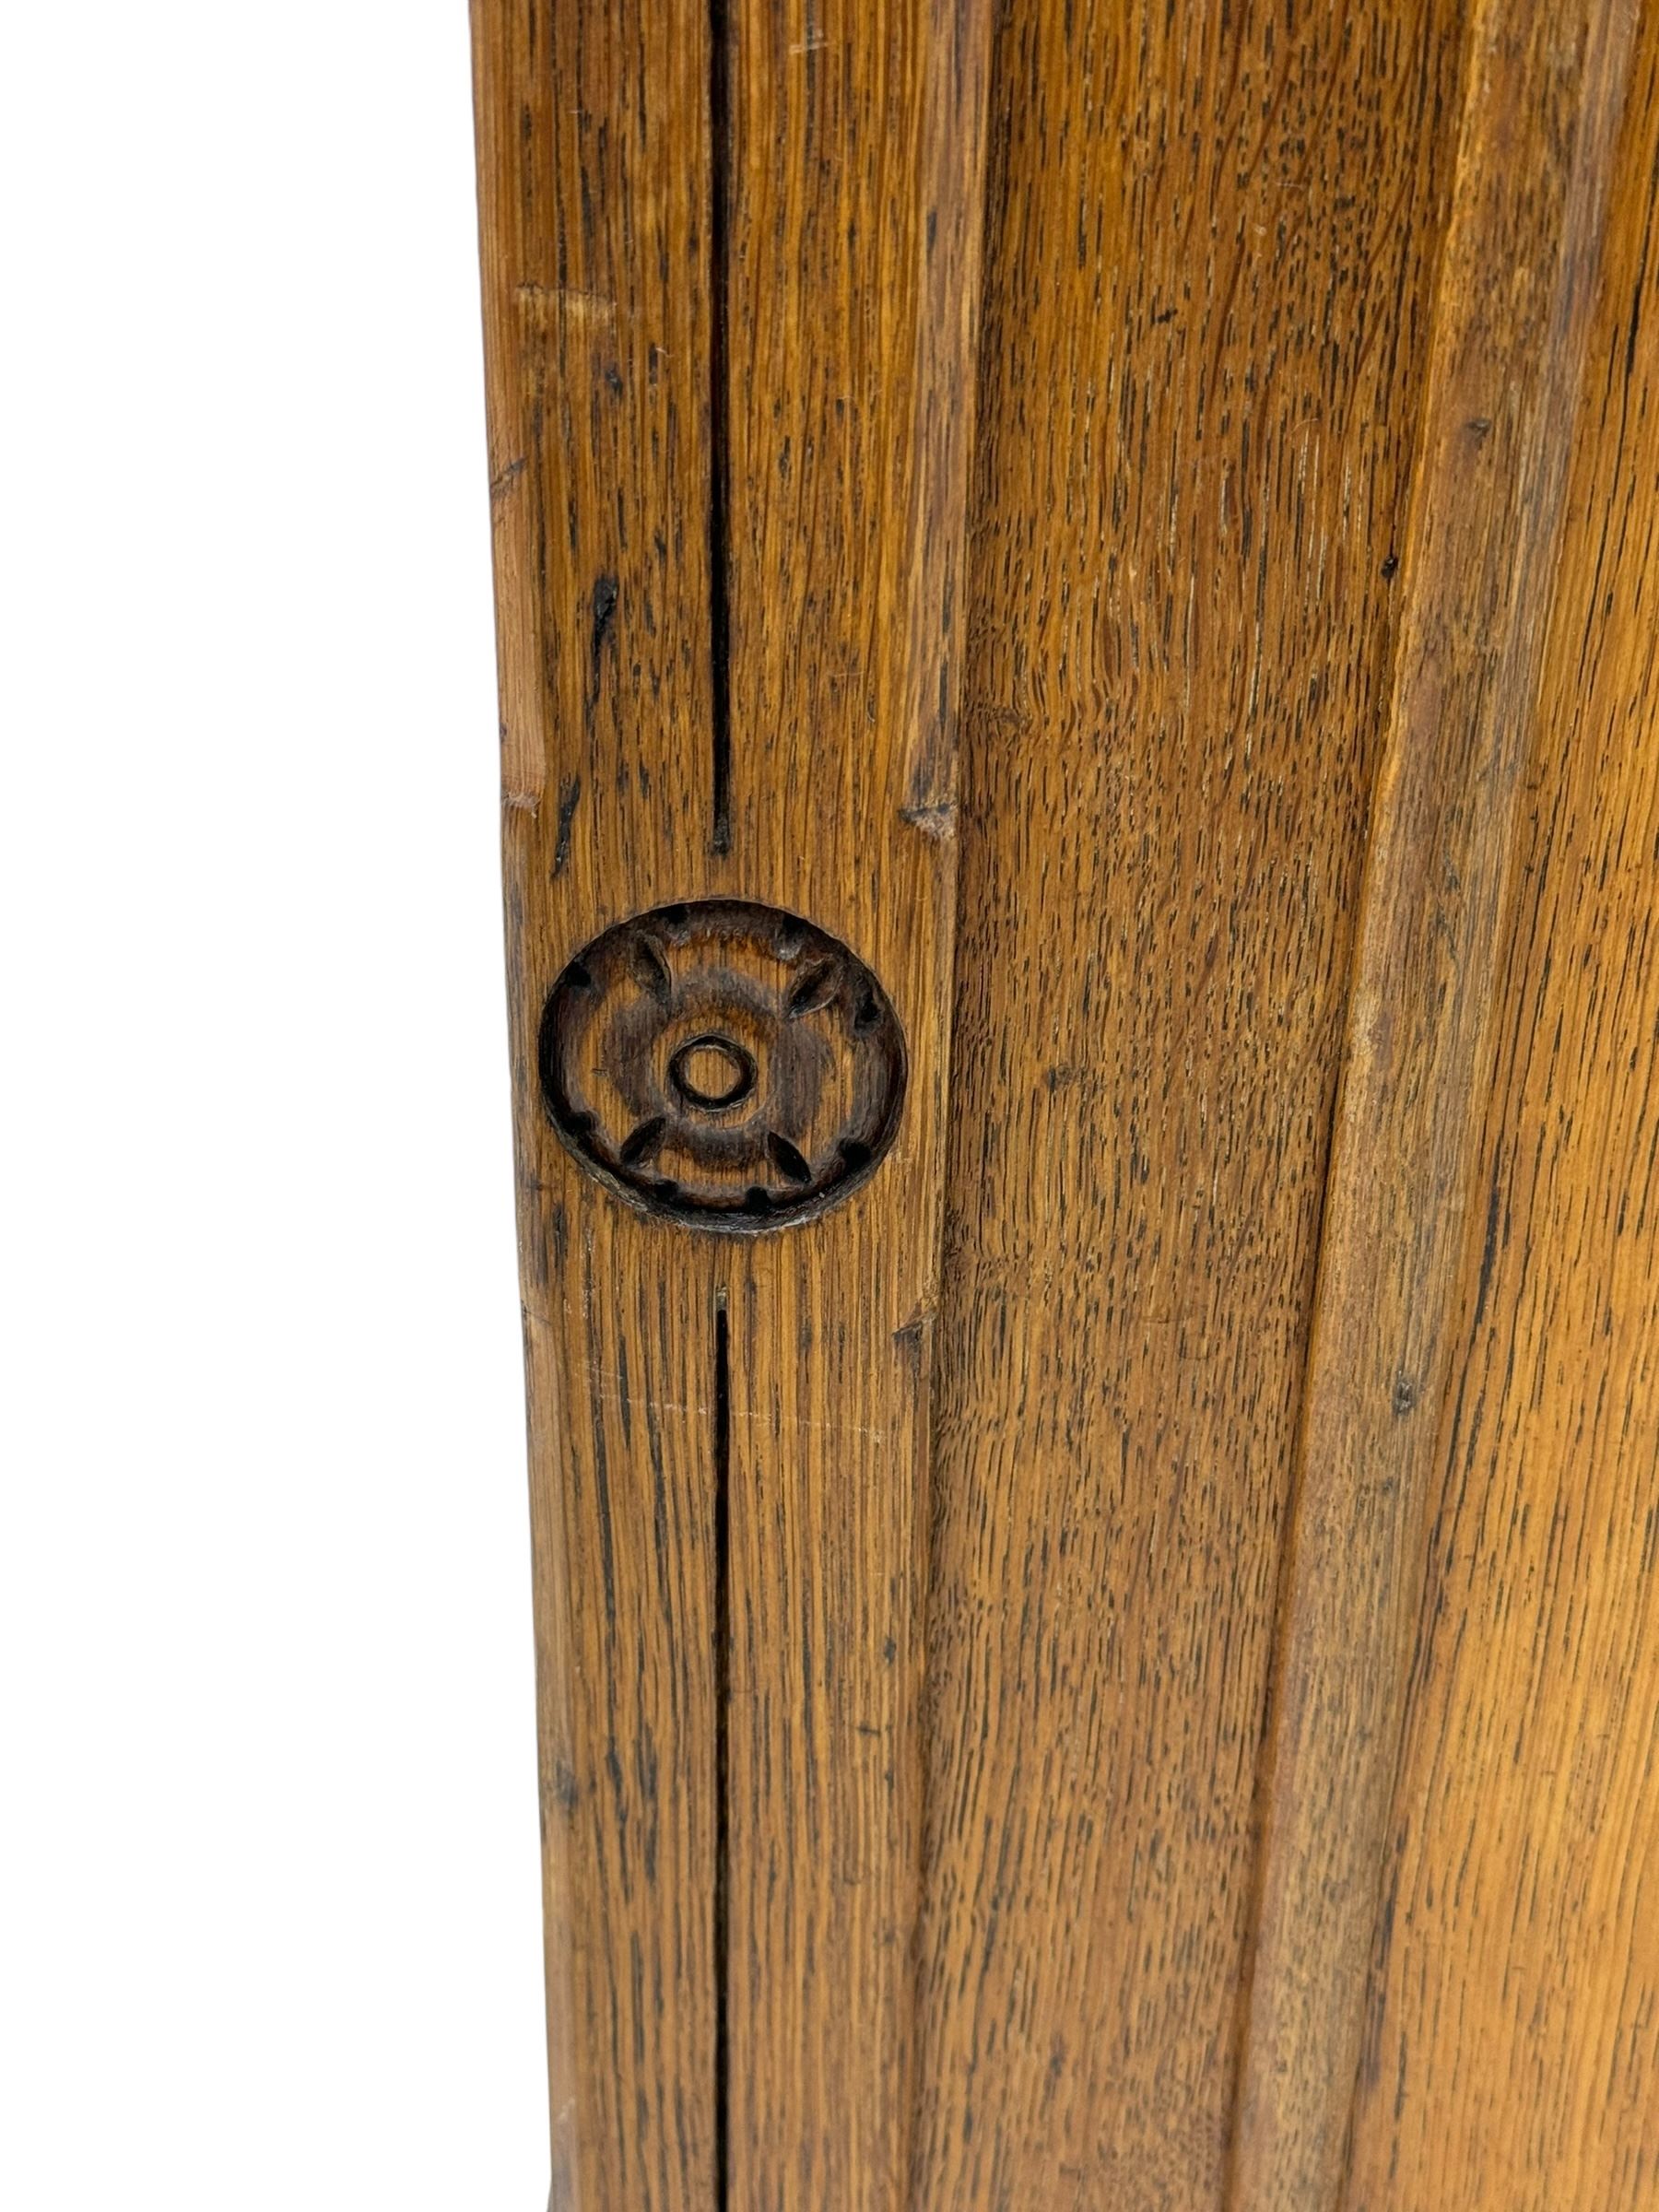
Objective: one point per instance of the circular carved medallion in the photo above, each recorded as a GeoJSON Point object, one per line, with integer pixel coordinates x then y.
{"type": "Point", "coordinates": [722, 1063]}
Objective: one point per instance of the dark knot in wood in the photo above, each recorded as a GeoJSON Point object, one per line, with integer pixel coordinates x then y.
{"type": "Point", "coordinates": [722, 1063]}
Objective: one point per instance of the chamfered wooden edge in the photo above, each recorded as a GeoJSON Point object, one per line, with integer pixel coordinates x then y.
{"type": "Point", "coordinates": [1542, 109]}
{"type": "Point", "coordinates": [1512, 2032]}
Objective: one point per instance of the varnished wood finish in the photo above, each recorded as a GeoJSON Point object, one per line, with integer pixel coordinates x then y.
{"type": "Point", "coordinates": [594, 205]}
{"type": "Point", "coordinates": [1545, 93]}
{"type": "Point", "coordinates": [731, 507]}
{"type": "Point", "coordinates": [724, 1065]}
{"type": "Point", "coordinates": [1015, 1644]}
{"type": "Point", "coordinates": [1208, 267]}
{"type": "Point", "coordinates": [1512, 2041]}
{"type": "Point", "coordinates": [854, 156]}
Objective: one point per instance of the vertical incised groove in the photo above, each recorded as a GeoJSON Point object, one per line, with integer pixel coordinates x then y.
{"type": "Point", "coordinates": [720, 625]}
{"type": "Point", "coordinates": [722, 1700]}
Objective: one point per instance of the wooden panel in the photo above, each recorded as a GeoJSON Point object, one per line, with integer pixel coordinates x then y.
{"type": "Point", "coordinates": [731, 274]}
{"type": "Point", "coordinates": [1512, 2053]}
{"type": "Point", "coordinates": [855, 135]}
{"type": "Point", "coordinates": [594, 199]}
{"type": "Point", "coordinates": [1015, 1841]}
{"type": "Point", "coordinates": [1209, 245]}
{"type": "Point", "coordinates": [1514, 297]}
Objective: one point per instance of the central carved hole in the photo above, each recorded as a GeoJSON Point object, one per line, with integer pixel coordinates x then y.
{"type": "Point", "coordinates": [712, 1072]}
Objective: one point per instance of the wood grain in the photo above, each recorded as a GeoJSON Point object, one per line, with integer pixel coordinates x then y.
{"type": "Point", "coordinates": [594, 191]}
{"type": "Point", "coordinates": [1516, 294]}
{"type": "Point", "coordinates": [1211, 236]}
{"type": "Point", "coordinates": [1512, 2047]}
{"type": "Point", "coordinates": [857, 135]}
{"type": "Point", "coordinates": [731, 285]}
{"type": "Point", "coordinates": [976, 1622]}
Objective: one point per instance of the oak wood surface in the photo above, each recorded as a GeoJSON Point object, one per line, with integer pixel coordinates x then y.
{"type": "Point", "coordinates": [595, 205]}
{"type": "Point", "coordinates": [1012, 1646]}
{"type": "Point", "coordinates": [852, 253]}
{"type": "Point", "coordinates": [1210, 243]}
{"type": "Point", "coordinates": [1516, 288]}
{"type": "Point", "coordinates": [730, 313]}
{"type": "Point", "coordinates": [1512, 2036]}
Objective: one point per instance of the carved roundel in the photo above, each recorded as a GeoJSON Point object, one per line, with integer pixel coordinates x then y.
{"type": "Point", "coordinates": [722, 1063]}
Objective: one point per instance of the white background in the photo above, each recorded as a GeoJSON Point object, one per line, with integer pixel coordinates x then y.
{"type": "Point", "coordinates": [269, 1889]}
